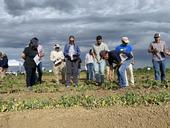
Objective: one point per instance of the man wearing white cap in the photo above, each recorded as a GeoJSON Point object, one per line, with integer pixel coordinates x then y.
{"type": "Point", "coordinates": [57, 57]}
{"type": "Point", "coordinates": [159, 51]}
{"type": "Point", "coordinates": [123, 49]}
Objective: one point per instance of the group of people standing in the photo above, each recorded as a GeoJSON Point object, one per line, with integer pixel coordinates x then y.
{"type": "Point", "coordinates": [121, 60]}
{"type": "Point", "coordinates": [100, 58]}
{"type": "Point", "coordinates": [100, 62]}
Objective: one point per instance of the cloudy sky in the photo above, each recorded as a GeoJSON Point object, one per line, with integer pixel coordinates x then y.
{"type": "Point", "coordinates": [54, 20]}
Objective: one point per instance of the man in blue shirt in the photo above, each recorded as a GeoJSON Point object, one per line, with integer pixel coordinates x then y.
{"type": "Point", "coordinates": [125, 50]}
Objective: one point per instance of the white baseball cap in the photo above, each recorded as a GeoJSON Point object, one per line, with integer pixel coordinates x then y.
{"type": "Point", "coordinates": [56, 46]}
{"type": "Point", "coordinates": [125, 39]}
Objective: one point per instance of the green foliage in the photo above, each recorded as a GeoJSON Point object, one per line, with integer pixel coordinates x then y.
{"type": "Point", "coordinates": [89, 102]}
{"type": "Point", "coordinates": [108, 85]}
{"type": "Point", "coordinates": [131, 98]}
{"type": "Point", "coordinates": [44, 88]}
{"type": "Point", "coordinates": [157, 93]}
{"type": "Point", "coordinates": [155, 84]}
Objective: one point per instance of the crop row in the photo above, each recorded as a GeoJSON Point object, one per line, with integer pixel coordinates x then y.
{"type": "Point", "coordinates": [129, 99]}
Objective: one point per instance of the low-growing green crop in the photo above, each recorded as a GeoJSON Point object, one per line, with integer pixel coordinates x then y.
{"type": "Point", "coordinates": [129, 99]}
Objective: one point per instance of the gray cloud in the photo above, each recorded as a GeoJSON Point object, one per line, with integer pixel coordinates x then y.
{"type": "Point", "coordinates": [19, 7]}
{"type": "Point", "coordinates": [55, 20]}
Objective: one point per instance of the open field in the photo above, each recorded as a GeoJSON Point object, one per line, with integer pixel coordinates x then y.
{"type": "Point", "coordinates": [145, 105]}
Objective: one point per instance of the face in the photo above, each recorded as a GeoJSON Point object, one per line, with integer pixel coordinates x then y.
{"type": "Point", "coordinates": [157, 39]}
{"type": "Point", "coordinates": [71, 40]}
{"type": "Point", "coordinates": [106, 57]}
{"type": "Point", "coordinates": [57, 49]}
{"type": "Point", "coordinates": [99, 41]}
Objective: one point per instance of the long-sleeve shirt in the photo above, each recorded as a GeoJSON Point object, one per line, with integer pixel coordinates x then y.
{"type": "Point", "coordinates": [89, 59]}
{"type": "Point", "coordinates": [54, 56]}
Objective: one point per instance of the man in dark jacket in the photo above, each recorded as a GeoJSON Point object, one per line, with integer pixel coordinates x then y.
{"type": "Point", "coordinates": [113, 57]}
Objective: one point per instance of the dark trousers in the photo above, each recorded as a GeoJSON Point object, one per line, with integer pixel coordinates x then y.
{"type": "Point", "coordinates": [71, 71]}
{"type": "Point", "coordinates": [40, 72]}
{"type": "Point", "coordinates": [30, 76]}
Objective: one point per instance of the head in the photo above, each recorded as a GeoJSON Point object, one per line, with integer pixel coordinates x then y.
{"type": "Point", "coordinates": [99, 39]}
{"type": "Point", "coordinates": [104, 55]}
{"type": "Point", "coordinates": [34, 43]}
{"type": "Point", "coordinates": [157, 37]}
{"type": "Point", "coordinates": [125, 40]}
{"type": "Point", "coordinates": [91, 51]}
{"type": "Point", "coordinates": [57, 47]}
{"type": "Point", "coordinates": [71, 39]}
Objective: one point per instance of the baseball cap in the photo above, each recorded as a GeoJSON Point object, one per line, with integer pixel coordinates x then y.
{"type": "Point", "coordinates": [157, 35]}
{"type": "Point", "coordinates": [56, 46]}
{"type": "Point", "coordinates": [125, 39]}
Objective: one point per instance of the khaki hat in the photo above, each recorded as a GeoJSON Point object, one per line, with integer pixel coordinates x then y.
{"type": "Point", "coordinates": [125, 39]}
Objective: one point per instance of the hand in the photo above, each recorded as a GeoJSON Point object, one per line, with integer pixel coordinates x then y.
{"type": "Point", "coordinates": [167, 52]}
{"type": "Point", "coordinates": [155, 50]}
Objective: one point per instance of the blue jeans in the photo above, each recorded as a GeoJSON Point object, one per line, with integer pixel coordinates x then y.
{"type": "Point", "coordinates": [99, 68]}
{"type": "Point", "coordinates": [159, 67]}
{"type": "Point", "coordinates": [121, 73]}
{"type": "Point", "coordinates": [90, 71]}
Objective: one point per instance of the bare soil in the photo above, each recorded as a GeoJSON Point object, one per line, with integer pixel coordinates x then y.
{"type": "Point", "coordinates": [112, 117]}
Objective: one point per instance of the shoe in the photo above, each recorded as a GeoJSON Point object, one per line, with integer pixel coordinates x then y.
{"type": "Point", "coordinates": [67, 86]}
{"type": "Point", "coordinates": [98, 84]}
{"type": "Point", "coordinates": [30, 88]}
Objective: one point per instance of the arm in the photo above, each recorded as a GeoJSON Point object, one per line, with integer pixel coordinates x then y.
{"type": "Point", "coordinates": [62, 56]}
{"type": "Point", "coordinates": [24, 54]}
{"type": "Point", "coordinates": [52, 57]}
{"type": "Point", "coordinates": [152, 50]}
{"type": "Point", "coordinates": [65, 50]}
{"type": "Point", "coordinates": [78, 50]}
{"type": "Point", "coordinates": [41, 52]}
{"type": "Point", "coordinates": [106, 47]}
{"type": "Point", "coordinates": [166, 51]}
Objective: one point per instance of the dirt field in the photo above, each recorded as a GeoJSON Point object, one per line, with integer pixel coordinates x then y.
{"type": "Point", "coordinates": [113, 117]}
{"type": "Point", "coordinates": [117, 116]}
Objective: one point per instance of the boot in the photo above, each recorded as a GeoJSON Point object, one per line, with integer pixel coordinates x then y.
{"type": "Point", "coordinates": [102, 79]}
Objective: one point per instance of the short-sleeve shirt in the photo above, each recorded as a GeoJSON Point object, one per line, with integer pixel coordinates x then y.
{"type": "Point", "coordinates": [97, 49]}
{"type": "Point", "coordinates": [161, 48]}
{"type": "Point", "coordinates": [125, 51]}
{"type": "Point", "coordinates": [124, 48]}
{"type": "Point", "coordinates": [29, 56]}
